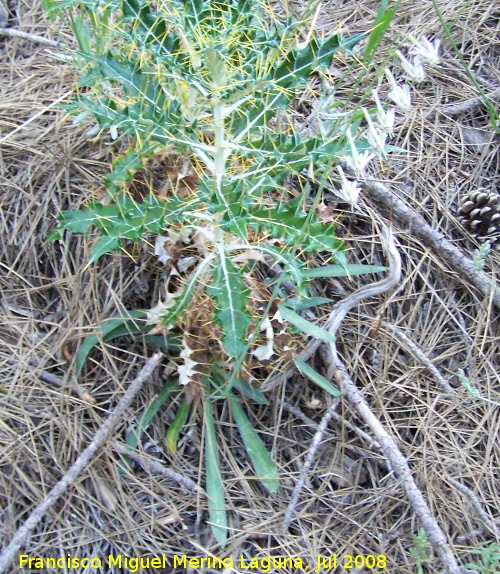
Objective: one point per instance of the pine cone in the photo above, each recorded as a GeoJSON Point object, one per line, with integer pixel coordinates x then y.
{"type": "Point", "coordinates": [479, 212]}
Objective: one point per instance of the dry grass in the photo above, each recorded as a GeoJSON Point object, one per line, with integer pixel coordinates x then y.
{"type": "Point", "coordinates": [50, 301]}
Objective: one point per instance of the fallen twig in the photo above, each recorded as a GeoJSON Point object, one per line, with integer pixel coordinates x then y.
{"type": "Point", "coordinates": [79, 465]}
{"type": "Point", "coordinates": [387, 444]}
{"type": "Point", "coordinates": [332, 324]}
{"type": "Point", "coordinates": [72, 387]}
{"type": "Point", "coordinates": [422, 357]}
{"type": "Point", "coordinates": [417, 226]}
{"type": "Point", "coordinates": [456, 109]}
{"type": "Point", "coordinates": [401, 469]}
{"type": "Point", "coordinates": [296, 412]}
{"type": "Point", "coordinates": [318, 437]}
{"type": "Point", "coordinates": [12, 33]}
{"type": "Point", "coordinates": [157, 467]}
{"type": "Point", "coordinates": [476, 504]}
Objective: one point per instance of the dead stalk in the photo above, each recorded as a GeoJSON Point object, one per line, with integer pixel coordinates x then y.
{"type": "Point", "coordinates": [79, 465]}
{"type": "Point", "coordinates": [415, 224]}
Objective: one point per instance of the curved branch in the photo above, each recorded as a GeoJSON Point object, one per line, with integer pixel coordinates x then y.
{"type": "Point", "coordinates": [417, 226]}
{"type": "Point", "coordinates": [79, 465]}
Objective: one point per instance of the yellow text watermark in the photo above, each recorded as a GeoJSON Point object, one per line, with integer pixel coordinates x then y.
{"type": "Point", "coordinates": [135, 564]}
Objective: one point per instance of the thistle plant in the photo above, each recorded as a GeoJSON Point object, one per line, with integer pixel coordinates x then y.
{"type": "Point", "coordinates": [213, 83]}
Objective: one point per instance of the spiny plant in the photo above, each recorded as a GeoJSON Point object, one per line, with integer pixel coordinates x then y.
{"type": "Point", "coordinates": [212, 82]}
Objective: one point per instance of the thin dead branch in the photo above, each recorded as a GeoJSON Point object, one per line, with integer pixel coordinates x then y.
{"type": "Point", "coordinates": [422, 357]}
{"type": "Point", "coordinates": [457, 109]}
{"type": "Point", "coordinates": [476, 504]}
{"type": "Point", "coordinates": [332, 324]}
{"type": "Point", "coordinates": [80, 463]}
{"type": "Point", "coordinates": [12, 33]}
{"type": "Point", "coordinates": [401, 469]}
{"type": "Point", "coordinates": [388, 445]}
{"type": "Point", "coordinates": [157, 467]}
{"type": "Point", "coordinates": [296, 412]}
{"type": "Point", "coordinates": [73, 387]}
{"type": "Point", "coordinates": [318, 437]}
{"type": "Point", "coordinates": [415, 224]}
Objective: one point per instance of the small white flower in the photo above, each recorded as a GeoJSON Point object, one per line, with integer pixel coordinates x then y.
{"type": "Point", "coordinates": [375, 136]}
{"type": "Point", "coordinates": [265, 352]}
{"type": "Point", "coordinates": [414, 71]}
{"type": "Point", "coordinates": [357, 161]}
{"type": "Point", "coordinates": [385, 118]}
{"type": "Point", "coordinates": [186, 371]}
{"type": "Point", "coordinates": [400, 95]}
{"type": "Point", "coordinates": [323, 115]}
{"type": "Point", "coordinates": [350, 190]}
{"type": "Point", "coordinates": [427, 50]}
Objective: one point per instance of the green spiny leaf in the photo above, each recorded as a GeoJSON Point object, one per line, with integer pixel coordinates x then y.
{"type": "Point", "coordinates": [104, 245]}
{"type": "Point", "coordinates": [231, 299]}
{"type": "Point", "coordinates": [125, 166]}
{"type": "Point", "coordinates": [297, 229]}
{"type": "Point", "coordinates": [181, 301]}
{"type": "Point", "coordinates": [298, 64]}
{"type": "Point", "coordinates": [123, 219]}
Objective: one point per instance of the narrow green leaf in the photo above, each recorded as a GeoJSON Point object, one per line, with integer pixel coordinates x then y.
{"type": "Point", "coordinates": [305, 326]}
{"type": "Point", "coordinates": [175, 428]}
{"type": "Point", "coordinates": [306, 303]}
{"type": "Point", "coordinates": [251, 392]}
{"type": "Point", "coordinates": [315, 377]}
{"type": "Point", "coordinates": [108, 330]}
{"type": "Point", "coordinates": [82, 34]}
{"type": "Point", "coordinates": [382, 22]}
{"type": "Point", "coordinates": [342, 270]}
{"type": "Point", "coordinates": [214, 484]}
{"type": "Point", "coordinates": [263, 464]}
{"type": "Point", "coordinates": [147, 415]}
{"type": "Point", "coordinates": [143, 421]}
{"type": "Point", "coordinates": [52, 8]}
